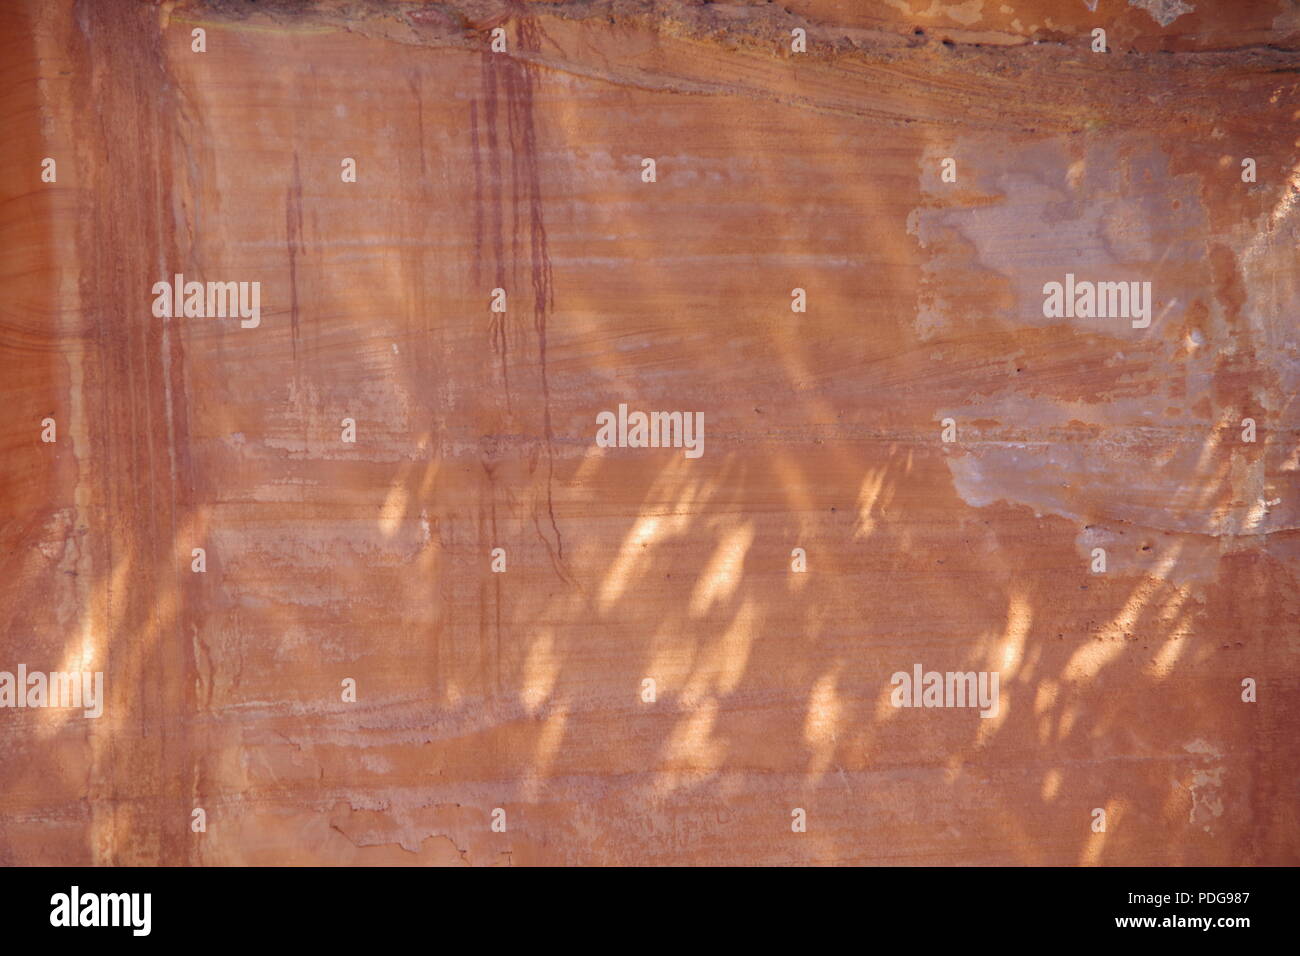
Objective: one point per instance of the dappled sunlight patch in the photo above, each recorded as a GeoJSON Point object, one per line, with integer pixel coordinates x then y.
{"type": "Point", "coordinates": [630, 556]}
{"type": "Point", "coordinates": [868, 496]}
{"type": "Point", "coordinates": [720, 579]}
{"type": "Point", "coordinates": [541, 668]}
{"type": "Point", "coordinates": [721, 666]}
{"type": "Point", "coordinates": [691, 748]}
{"type": "Point", "coordinates": [1008, 653]}
{"type": "Point", "coordinates": [821, 722]}
{"type": "Point", "coordinates": [1163, 663]}
{"type": "Point", "coordinates": [989, 726]}
{"type": "Point", "coordinates": [393, 509]}
{"type": "Point", "coordinates": [1066, 723]}
{"type": "Point", "coordinates": [1051, 785]}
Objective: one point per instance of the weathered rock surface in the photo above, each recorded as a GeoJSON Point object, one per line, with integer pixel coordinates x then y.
{"type": "Point", "coordinates": [475, 430]}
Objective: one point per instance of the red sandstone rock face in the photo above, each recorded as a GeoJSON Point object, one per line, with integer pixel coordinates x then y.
{"type": "Point", "coordinates": [476, 430]}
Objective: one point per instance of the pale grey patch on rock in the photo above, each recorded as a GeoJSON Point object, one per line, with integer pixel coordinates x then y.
{"type": "Point", "coordinates": [1164, 12]}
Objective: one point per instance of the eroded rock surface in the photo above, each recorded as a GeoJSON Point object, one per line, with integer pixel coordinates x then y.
{"type": "Point", "coordinates": [523, 690]}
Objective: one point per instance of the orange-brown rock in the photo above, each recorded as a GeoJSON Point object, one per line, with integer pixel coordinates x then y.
{"type": "Point", "coordinates": [475, 430]}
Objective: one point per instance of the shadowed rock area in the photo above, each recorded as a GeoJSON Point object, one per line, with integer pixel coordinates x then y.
{"type": "Point", "coordinates": [775, 170]}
